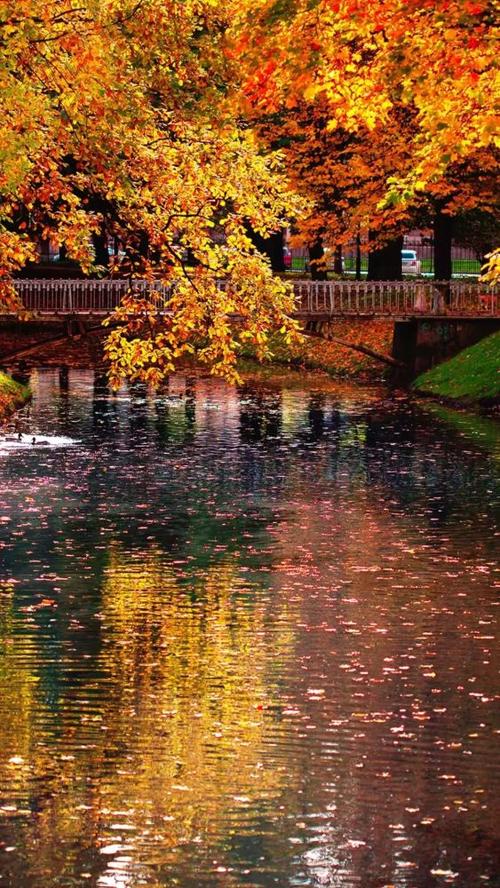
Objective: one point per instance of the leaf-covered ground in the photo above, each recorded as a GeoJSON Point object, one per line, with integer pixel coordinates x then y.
{"type": "Point", "coordinates": [470, 377]}
{"type": "Point", "coordinates": [314, 353]}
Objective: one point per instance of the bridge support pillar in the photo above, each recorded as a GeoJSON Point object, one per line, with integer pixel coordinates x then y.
{"type": "Point", "coordinates": [422, 343]}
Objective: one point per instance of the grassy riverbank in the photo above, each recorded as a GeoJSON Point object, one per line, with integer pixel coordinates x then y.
{"type": "Point", "coordinates": [13, 395]}
{"type": "Point", "coordinates": [471, 377]}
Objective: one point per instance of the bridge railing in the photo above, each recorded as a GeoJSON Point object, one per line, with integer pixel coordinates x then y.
{"type": "Point", "coordinates": [395, 298]}
{"type": "Point", "coordinates": [67, 296]}
{"type": "Point", "coordinates": [335, 298]}
{"type": "Point", "coordinates": [466, 297]}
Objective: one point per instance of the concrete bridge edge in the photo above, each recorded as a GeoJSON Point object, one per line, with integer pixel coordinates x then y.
{"type": "Point", "coordinates": [421, 343]}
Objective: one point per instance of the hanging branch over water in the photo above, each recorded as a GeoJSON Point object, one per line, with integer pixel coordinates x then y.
{"type": "Point", "coordinates": [356, 346]}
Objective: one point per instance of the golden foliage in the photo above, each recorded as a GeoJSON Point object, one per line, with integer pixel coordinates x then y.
{"type": "Point", "coordinates": [114, 122]}
{"type": "Point", "coordinates": [491, 270]}
{"type": "Point", "coordinates": [366, 58]}
{"type": "Point", "coordinates": [384, 110]}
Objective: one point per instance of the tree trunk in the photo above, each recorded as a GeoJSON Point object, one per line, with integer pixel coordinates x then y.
{"type": "Point", "coordinates": [358, 257]}
{"type": "Point", "coordinates": [443, 232]}
{"type": "Point", "coordinates": [272, 247]}
{"type": "Point", "coordinates": [337, 260]}
{"type": "Point", "coordinates": [100, 244]}
{"type": "Point", "coordinates": [316, 255]}
{"type": "Point", "coordinates": [384, 263]}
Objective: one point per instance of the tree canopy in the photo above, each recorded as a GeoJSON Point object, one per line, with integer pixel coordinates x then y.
{"type": "Point", "coordinates": [385, 110]}
{"type": "Point", "coordinates": [178, 129]}
{"type": "Point", "coordinates": [366, 57]}
{"type": "Point", "coordinates": [115, 120]}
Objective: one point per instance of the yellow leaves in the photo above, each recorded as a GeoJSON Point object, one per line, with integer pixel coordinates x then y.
{"type": "Point", "coordinates": [491, 270]}
{"type": "Point", "coordinates": [312, 91]}
{"type": "Point", "coordinates": [117, 134]}
{"type": "Point", "coordinates": [204, 315]}
{"type": "Point", "coordinates": [374, 56]}
{"type": "Point", "coordinates": [133, 133]}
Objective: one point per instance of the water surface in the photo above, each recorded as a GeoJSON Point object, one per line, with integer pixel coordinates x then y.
{"type": "Point", "coordinates": [247, 638]}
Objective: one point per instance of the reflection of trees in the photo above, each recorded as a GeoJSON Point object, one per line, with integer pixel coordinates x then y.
{"type": "Point", "coordinates": [17, 692]}
{"type": "Point", "coordinates": [168, 726]}
{"type": "Point", "coordinates": [260, 414]}
{"type": "Point", "coordinates": [130, 710]}
{"type": "Point", "coordinates": [316, 416]}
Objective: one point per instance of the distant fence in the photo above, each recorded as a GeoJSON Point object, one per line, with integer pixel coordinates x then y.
{"type": "Point", "coordinates": [465, 260]}
{"type": "Point", "coordinates": [336, 298]}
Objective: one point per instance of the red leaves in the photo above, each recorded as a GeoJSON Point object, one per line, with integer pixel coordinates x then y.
{"type": "Point", "coordinates": [475, 8]}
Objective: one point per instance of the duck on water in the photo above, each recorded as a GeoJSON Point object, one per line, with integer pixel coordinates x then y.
{"type": "Point", "coordinates": [19, 438]}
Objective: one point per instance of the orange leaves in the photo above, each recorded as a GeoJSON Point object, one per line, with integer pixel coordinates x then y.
{"type": "Point", "coordinates": [15, 251]}
{"type": "Point", "coordinates": [475, 8]}
{"type": "Point", "coordinates": [375, 55]}
{"type": "Point", "coordinates": [123, 121]}
{"type": "Point", "coordinates": [117, 123]}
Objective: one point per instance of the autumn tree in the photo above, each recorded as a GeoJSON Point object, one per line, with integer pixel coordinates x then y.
{"type": "Point", "coordinates": [343, 174]}
{"type": "Point", "coordinates": [367, 56]}
{"type": "Point", "coordinates": [115, 124]}
{"type": "Point", "coordinates": [413, 86]}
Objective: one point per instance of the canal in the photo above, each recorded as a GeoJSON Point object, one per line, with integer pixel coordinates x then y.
{"type": "Point", "coordinates": [247, 638]}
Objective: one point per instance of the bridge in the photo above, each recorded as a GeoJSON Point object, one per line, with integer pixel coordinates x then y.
{"type": "Point", "coordinates": [432, 321]}
{"type": "Point", "coordinates": [314, 299]}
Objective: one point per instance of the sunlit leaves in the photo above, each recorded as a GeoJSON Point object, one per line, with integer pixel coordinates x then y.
{"type": "Point", "coordinates": [115, 124]}
{"type": "Point", "coordinates": [438, 59]}
{"type": "Point", "coordinates": [491, 271]}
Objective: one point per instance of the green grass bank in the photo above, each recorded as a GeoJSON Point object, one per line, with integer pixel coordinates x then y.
{"type": "Point", "coordinates": [471, 377]}
{"type": "Point", "coordinates": [13, 395]}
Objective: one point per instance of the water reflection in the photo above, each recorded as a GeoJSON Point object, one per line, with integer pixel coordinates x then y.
{"type": "Point", "coordinates": [246, 638]}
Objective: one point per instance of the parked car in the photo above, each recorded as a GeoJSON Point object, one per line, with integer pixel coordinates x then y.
{"type": "Point", "coordinates": [409, 262]}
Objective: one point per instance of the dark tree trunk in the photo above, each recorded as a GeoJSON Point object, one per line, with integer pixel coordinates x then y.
{"type": "Point", "coordinates": [44, 250]}
{"type": "Point", "coordinates": [143, 245]}
{"type": "Point", "coordinates": [443, 232]}
{"type": "Point", "coordinates": [100, 243]}
{"type": "Point", "coordinates": [384, 263]}
{"type": "Point", "coordinates": [358, 257]}
{"type": "Point", "coordinates": [337, 259]}
{"type": "Point", "coordinates": [272, 247]}
{"type": "Point", "coordinates": [316, 254]}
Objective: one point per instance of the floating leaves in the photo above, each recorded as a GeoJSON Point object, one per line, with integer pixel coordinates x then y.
{"type": "Point", "coordinates": [230, 646]}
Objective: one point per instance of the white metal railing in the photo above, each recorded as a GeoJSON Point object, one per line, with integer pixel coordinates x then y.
{"type": "Point", "coordinates": [68, 296]}
{"type": "Point", "coordinates": [335, 298]}
{"type": "Point", "coordinates": [400, 298]}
